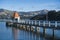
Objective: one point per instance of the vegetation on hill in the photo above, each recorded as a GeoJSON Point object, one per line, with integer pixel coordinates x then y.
{"type": "Point", "coordinates": [39, 17]}
{"type": "Point", "coordinates": [34, 15]}
{"type": "Point", "coordinates": [7, 14]}
{"type": "Point", "coordinates": [51, 15]}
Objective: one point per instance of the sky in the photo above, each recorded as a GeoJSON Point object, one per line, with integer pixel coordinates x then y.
{"type": "Point", "coordinates": [29, 5]}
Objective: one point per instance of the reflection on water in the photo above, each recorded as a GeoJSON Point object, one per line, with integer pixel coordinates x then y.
{"type": "Point", "coordinates": [15, 33]}
{"type": "Point", "coordinates": [24, 35]}
{"type": "Point", "coordinates": [12, 33]}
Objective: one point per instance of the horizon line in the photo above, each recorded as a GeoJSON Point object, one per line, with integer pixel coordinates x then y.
{"type": "Point", "coordinates": [30, 10]}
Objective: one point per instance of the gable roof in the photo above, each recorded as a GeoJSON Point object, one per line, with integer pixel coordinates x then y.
{"type": "Point", "coordinates": [16, 14]}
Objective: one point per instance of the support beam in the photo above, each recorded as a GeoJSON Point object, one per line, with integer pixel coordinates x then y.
{"type": "Point", "coordinates": [44, 32]}
{"type": "Point", "coordinates": [53, 33]}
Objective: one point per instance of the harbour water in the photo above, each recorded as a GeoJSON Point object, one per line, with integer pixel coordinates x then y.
{"type": "Point", "coordinates": [12, 33]}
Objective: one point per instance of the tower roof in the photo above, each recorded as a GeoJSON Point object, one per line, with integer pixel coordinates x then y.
{"type": "Point", "coordinates": [15, 14]}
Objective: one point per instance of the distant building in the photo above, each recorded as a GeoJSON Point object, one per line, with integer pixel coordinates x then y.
{"type": "Point", "coordinates": [16, 16]}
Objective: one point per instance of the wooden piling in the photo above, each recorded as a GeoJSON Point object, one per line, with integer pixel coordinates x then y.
{"type": "Point", "coordinates": [44, 32]}
{"type": "Point", "coordinates": [38, 29]}
{"type": "Point", "coordinates": [53, 34]}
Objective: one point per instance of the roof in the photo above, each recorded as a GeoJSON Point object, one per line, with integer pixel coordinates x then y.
{"type": "Point", "coordinates": [15, 14]}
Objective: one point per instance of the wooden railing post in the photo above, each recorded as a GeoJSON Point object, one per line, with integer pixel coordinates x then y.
{"type": "Point", "coordinates": [39, 23]}
{"type": "Point", "coordinates": [35, 22]}
{"type": "Point", "coordinates": [24, 21]}
{"type": "Point", "coordinates": [55, 23]}
{"type": "Point", "coordinates": [32, 22]}
{"type": "Point", "coordinates": [44, 29]}
{"type": "Point", "coordinates": [29, 21]}
{"type": "Point", "coordinates": [21, 21]}
{"type": "Point", "coordinates": [43, 23]}
{"type": "Point", "coordinates": [49, 23]}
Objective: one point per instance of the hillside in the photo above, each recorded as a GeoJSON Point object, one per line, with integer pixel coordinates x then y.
{"type": "Point", "coordinates": [24, 15]}
{"type": "Point", "coordinates": [51, 15]}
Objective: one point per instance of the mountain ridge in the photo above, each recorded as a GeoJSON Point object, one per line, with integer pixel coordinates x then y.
{"type": "Point", "coordinates": [9, 13]}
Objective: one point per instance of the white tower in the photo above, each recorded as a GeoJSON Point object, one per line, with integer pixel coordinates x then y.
{"type": "Point", "coordinates": [16, 16]}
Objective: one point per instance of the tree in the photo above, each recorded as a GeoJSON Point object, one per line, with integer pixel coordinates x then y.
{"type": "Point", "coordinates": [52, 15]}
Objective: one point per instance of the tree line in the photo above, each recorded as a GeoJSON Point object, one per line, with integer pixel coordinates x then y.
{"type": "Point", "coordinates": [51, 16]}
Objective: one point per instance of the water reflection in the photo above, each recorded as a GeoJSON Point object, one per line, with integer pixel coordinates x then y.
{"type": "Point", "coordinates": [13, 33]}
{"type": "Point", "coordinates": [25, 35]}
{"type": "Point", "coordinates": [19, 34]}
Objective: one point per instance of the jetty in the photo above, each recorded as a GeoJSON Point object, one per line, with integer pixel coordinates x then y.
{"type": "Point", "coordinates": [33, 25]}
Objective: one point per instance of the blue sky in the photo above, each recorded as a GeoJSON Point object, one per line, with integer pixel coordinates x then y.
{"type": "Point", "coordinates": [30, 5]}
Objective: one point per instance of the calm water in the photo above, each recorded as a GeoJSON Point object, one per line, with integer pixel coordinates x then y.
{"type": "Point", "coordinates": [12, 33]}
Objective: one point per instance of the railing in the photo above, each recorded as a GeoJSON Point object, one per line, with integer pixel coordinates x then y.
{"type": "Point", "coordinates": [36, 22]}
{"type": "Point", "coordinates": [41, 23]}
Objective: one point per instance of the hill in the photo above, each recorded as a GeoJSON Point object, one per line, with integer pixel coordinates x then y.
{"type": "Point", "coordinates": [24, 15]}
{"type": "Point", "coordinates": [51, 15]}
